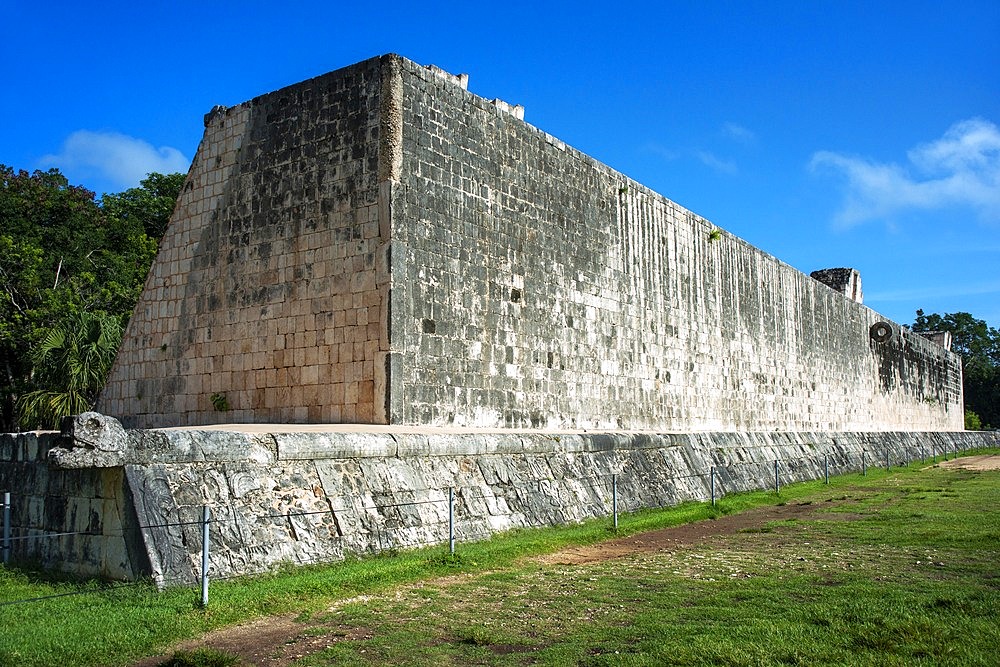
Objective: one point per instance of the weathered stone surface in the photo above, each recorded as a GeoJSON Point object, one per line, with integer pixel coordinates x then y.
{"type": "Point", "coordinates": [93, 441]}
{"type": "Point", "coordinates": [447, 444]}
{"type": "Point", "coordinates": [325, 508]}
{"type": "Point", "coordinates": [307, 446]}
{"type": "Point", "coordinates": [143, 518]}
{"type": "Point", "coordinates": [172, 446]}
{"type": "Point", "coordinates": [265, 293]}
{"type": "Point", "coordinates": [379, 245]}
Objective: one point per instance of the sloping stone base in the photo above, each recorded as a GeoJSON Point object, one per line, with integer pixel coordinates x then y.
{"type": "Point", "coordinates": [301, 498]}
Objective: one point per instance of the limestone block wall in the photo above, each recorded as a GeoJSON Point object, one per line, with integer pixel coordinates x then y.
{"type": "Point", "coordinates": [535, 287]}
{"type": "Point", "coordinates": [303, 498]}
{"type": "Point", "coordinates": [266, 292]}
{"type": "Point", "coordinates": [78, 520]}
{"type": "Point", "coordinates": [379, 245]}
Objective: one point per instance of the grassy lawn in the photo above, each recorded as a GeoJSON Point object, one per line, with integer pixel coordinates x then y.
{"type": "Point", "coordinates": [892, 568]}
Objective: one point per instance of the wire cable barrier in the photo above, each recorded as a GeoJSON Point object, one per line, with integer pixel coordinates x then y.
{"type": "Point", "coordinates": [606, 489]}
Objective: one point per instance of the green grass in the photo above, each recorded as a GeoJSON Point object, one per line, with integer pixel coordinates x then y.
{"type": "Point", "coordinates": [201, 657]}
{"type": "Point", "coordinates": [910, 578]}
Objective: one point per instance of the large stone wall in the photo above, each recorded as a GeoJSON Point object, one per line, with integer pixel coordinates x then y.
{"type": "Point", "coordinates": [380, 245]}
{"type": "Point", "coordinates": [265, 290]}
{"type": "Point", "coordinates": [533, 286]}
{"type": "Point", "coordinates": [134, 509]}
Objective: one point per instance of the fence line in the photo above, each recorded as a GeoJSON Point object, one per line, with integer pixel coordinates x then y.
{"type": "Point", "coordinates": [714, 481]}
{"type": "Point", "coordinates": [587, 482]}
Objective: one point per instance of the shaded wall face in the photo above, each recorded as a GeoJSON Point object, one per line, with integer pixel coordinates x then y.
{"type": "Point", "coordinates": [263, 303]}
{"type": "Point", "coordinates": [79, 521]}
{"type": "Point", "coordinates": [533, 286]}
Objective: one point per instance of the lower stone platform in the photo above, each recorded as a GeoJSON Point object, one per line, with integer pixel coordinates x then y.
{"type": "Point", "coordinates": [103, 501]}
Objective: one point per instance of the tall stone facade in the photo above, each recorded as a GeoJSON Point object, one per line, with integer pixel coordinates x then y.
{"type": "Point", "coordinates": [379, 245]}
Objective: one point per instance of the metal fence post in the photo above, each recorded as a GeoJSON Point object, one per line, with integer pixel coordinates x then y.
{"type": "Point", "coordinates": [864, 464]}
{"type": "Point", "coordinates": [826, 467]}
{"type": "Point", "coordinates": [614, 498]}
{"type": "Point", "coordinates": [712, 474]}
{"type": "Point", "coordinates": [451, 520]}
{"type": "Point", "coordinates": [205, 516]}
{"type": "Point", "coordinates": [6, 527]}
{"type": "Point", "coordinates": [887, 460]}
{"type": "Point", "coordinates": [777, 487]}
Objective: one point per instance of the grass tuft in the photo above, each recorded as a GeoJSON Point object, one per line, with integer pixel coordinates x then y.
{"type": "Point", "coordinates": [202, 657]}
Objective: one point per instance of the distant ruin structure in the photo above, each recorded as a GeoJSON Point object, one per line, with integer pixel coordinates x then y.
{"type": "Point", "coordinates": [379, 245]}
{"type": "Point", "coordinates": [845, 281]}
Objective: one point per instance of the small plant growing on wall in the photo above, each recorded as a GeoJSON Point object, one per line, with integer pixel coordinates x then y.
{"type": "Point", "coordinates": [220, 402]}
{"type": "Point", "coordinates": [623, 190]}
{"type": "Point", "coordinates": [714, 235]}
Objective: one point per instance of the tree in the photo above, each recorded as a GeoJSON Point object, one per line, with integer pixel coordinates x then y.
{"type": "Point", "coordinates": [64, 254]}
{"type": "Point", "coordinates": [47, 227]}
{"type": "Point", "coordinates": [972, 421]}
{"type": "Point", "coordinates": [979, 345]}
{"type": "Point", "coordinates": [149, 205]}
{"type": "Point", "coordinates": [71, 364]}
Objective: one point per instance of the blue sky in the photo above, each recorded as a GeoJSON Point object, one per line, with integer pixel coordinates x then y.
{"type": "Point", "coordinates": [825, 133]}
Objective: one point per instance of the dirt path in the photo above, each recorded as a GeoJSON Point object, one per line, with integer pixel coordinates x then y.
{"type": "Point", "coordinates": [278, 641]}
{"type": "Point", "coordinates": [677, 536]}
{"type": "Point", "coordinates": [982, 462]}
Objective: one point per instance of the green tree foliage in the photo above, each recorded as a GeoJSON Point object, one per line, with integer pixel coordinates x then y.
{"type": "Point", "coordinates": [979, 345]}
{"type": "Point", "coordinates": [65, 254]}
{"type": "Point", "coordinates": [147, 207]}
{"type": "Point", "coordinates": [972, 421]}
{"type": "Point", "coordinates": [71, 364]}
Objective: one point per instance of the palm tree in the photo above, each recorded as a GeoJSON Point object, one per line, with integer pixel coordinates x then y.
{"type": "Point", "coordinates": [70, 365]}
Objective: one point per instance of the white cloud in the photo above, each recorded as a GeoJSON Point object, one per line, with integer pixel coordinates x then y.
{"type": "Point", "coordinates": [119, 158]}
{"type": "Point", "coordinates": [738, 133]}
{"type": "Point", "coordinates": [707, 158]}
{"type": "Point", "coordinates": [665, 153]}
{"type": "Point", "coordinates": [716, 163]}
{"type": "Point", "coordinates": [960, 169]}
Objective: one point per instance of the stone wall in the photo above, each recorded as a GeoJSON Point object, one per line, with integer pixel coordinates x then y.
{"type": "Point", "coordinates": [844, 280]}
{"type": "Point", "coordinates": [266, 293]}
{"type": "Point", "coordinates": [76, 520]}
{"type": "Point", "coordinates": [535, 287]}
{"type": "Point", "coordinates": [299, 498]}
{"type": "Point", "coordinates": [379, 245]}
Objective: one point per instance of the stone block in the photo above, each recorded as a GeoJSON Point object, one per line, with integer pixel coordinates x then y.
{"type": "Point", "coordinates": [318, 446]}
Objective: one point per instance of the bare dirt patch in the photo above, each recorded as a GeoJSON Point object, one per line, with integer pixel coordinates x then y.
{"type": "Point", "coordinates": [275, 641]}
{"type": "Point", "coordinates": [979, 463]}
{"type": "Point", "coordinates": [257, 642]}
{"type": "Point", "coordinates": [278, 641]}
{"type": "Point", "coordinates": [667, 539]}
